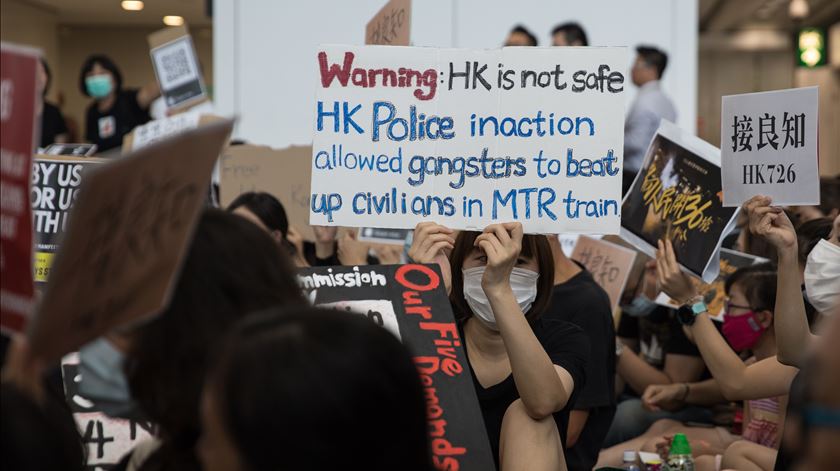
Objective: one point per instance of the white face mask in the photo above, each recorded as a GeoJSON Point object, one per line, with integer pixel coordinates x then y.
{"type": "Point", "coordinates": [523, 283]}
{"type": "Point", "coordinates": [822, 277]}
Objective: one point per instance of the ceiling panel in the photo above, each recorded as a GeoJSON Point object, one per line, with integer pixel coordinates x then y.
{"type": "Point", "coordinates": [98, 12]}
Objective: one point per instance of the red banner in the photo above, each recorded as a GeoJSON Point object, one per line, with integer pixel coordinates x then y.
{"type": "Point", "coordinates": [18, 97]}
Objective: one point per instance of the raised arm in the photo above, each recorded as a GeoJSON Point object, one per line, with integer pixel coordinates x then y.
{"type": "Point", "coordinates": [737, 381]}
{"type": "Point", "coordinates": [544, 388]}
{"type": "Point", "coordinates": [793, 336]}
{"type": "Point", "coordinates": [147, 94]}
{"type": "Point", "coordinates": [430, 244]}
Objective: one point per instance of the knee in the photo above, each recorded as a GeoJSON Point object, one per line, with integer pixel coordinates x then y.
{"type": "Point", "coordinates": [735, 454]}
{"type": "Point", "coordinates": [662, 426]}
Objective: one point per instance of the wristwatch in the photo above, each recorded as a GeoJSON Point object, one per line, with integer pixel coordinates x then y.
{"type": "Point", "coordinates": [689, 311]}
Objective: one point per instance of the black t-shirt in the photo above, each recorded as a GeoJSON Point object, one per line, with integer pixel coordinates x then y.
{"type": "Point", "coordinates": [107, 129]}
{"type": "Point", "coordinates": [797, 399]}
{"type": "Point", "coordinates": [659, 333]}
{"type": "Point", "coordinates": [567, 347]}
{"type": "Point", "coordinates": [52, 124]}
{"type": "Point", "coordinates": [583, 303]}
{"type": "Point", "coordinates": [312, 259]}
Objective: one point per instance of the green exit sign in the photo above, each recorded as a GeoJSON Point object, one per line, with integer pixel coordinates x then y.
{"type": "Point", "coordinates": [811, 47]}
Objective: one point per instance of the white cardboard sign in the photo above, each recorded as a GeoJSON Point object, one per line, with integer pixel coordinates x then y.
{"type": "Point", "coordinates": [768, 144]}
{"type": "Point", "coordinates": [469, 138]}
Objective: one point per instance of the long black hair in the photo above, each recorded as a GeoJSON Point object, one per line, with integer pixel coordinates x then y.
{"type": "Point", "coordinates": [317, 389]}
{"type": "Point", "coordinates": [106, 64]}
{"type": "Point", "coordinates": [233, 268]}
{"type": "Point", "coordinates": [266, 207]}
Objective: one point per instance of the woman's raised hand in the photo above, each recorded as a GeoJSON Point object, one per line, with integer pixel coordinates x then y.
{"type": "Point", "coordinates": [502, 244]}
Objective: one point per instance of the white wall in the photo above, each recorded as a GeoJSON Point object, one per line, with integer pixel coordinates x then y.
{"type": "Point", "coordinates": [264, 64]}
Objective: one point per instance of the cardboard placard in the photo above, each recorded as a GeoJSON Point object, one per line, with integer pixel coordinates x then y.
{"type": "Point", "coordinates": [56, 181]}
{"type": "Point", "coordinates": [107, 439]}
{"type": "Point", "coordinates": [18, 134]}
{"type": "Point", "coordinates": [283, 173]}
{"type": "Point", "coordinates": [610, 264]}
{"type": "Point", "coordinates": [391, 26]}
{"type": "Point", "coordinates": [769, 146]}
{"type": "Point", "coordinates": [125, 240]}
{"type": "Point", "coordinates": [75, 150]}
{"type": "Point", "coordinates": [411, 301]}
{"type": "Point", "coordinates": [176, 67]}
{"type": "Point", "coordinates": [158, 129]}
{"type": "Point", "coordinates": [468, 138]}
{"type": "Point", "coordinates": [677, 195]}
{"type": "Point", "coordinates": [714, 294]}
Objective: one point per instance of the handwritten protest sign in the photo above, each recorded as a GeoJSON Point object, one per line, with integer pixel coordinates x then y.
{"type": "Point", "coordinates": [107, 439]}
{"type": "Point", "coordinates": [768, 144]}
{"type": "Point", "coordinates": [55, 185]}
{"type": "Point", "coordinates": [714, 294]}
{"type": "Point", "coordinates": [391, 25]}
{"type": "Point", "coordinates": [677, 196]}
{"type": "Point", "coordinates": [411, 301]}
{"type": "Point", "coordinates": [469, 137]}
{"type": "Point", "coordinates": [283, 173]}
{"type": "Point", "coordinates": [176, 67]}
{"type": "Point", "coordinates": [18, 97]}
{"type": "Point", "coordinates": [610, 264]}
{"type": "Point", "coordinates": [125, 239]}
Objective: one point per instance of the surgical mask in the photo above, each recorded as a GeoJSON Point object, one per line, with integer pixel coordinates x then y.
{"type": "Point", "coordinates": [98, 86]}
{"type": "Point", "coordinates": [523, 283]}
{"type": "Point", "coordinates": [822, 277]}
{"type": "Point", "coordinates": [640, 306]}
{"type": "Point", "coordinates": [742, 332]}
{"type": "Point", "coordinates": [103, 380]}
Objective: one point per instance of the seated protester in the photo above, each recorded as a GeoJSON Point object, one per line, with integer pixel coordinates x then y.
{"type": "Point", "coordinates": [115, 111]}
{"type": "Point", "coordinates": [53, 126]}
{"type": "Point", "coordinates": [526, 370]}
{"type": "Point", "coordinates": [232, 268]}
{"type": "Point", "coordinates": [762, 385]}
{"type": "Point", "coordinates": [652, 349]}
{"type": "Point", "coordinates": [268, 213]}
{"type": "Point", "coordinates": [292, 389]}
{"type": "Point", "coordinates": [577, 298]}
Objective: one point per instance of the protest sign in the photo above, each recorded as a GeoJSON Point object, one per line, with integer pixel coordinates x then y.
{"type": "Point", "coordinates": [677, 196]}
{"type": "Point", "coordinates": [76, 150]}
{"type": "Point", "coordinates": [468, 138]}
{"type": "Point", "coordinates": [768, 145]}
{"type": "Point", "coordinates": [282, 173]}
{"type": "Point", "coordinates": [107, 439]}
{"type": "Point", "coordinates": [176, 67]}
{"type": "Point", "coordinates": [610, 264]}
{"type": "Point", "coordinates": [125, 238]}
{"type": "Point", "coordinates": [158, 129]}
{"type": "Point", "coordinates": [18, 99]}
{"type": "Point", "coordinates": [391, 26]}
{"type": "Point", "coordinates": [55, 185]}
{"type": "Point", "coordinates": [714, 294]}
{"type": "Point", "coordinates": [411, 301]}
{"type": "Point", "coordinates": [383, 236]}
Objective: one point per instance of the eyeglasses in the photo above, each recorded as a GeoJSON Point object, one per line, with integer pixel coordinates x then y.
{"type": "Point", "coordinates": [729, 306]}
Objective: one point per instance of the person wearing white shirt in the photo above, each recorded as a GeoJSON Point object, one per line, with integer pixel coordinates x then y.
{"type": "Point", "coordinates": [650, 106]}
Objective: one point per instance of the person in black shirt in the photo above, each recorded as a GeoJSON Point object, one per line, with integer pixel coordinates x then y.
{"type": "Point", "coordinates": [526, 370]}
{"type": "Point", "coordinates": [115, 111]}
{"type": "Point", "coordinates": [53, 126]}
{"type": "Point", "coordinates": [578, 299]}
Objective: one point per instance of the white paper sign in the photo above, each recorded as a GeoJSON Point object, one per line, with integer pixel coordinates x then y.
{"type": "Point", "coordinates": [469, 137]}
{"type": "Point", "coordinates": [768, 144]}
{"type": "Point", "coordinates": [159, 129]}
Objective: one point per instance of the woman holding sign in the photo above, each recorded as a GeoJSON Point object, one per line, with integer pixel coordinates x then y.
{"type": "Point", "coordinates": [525, 369]}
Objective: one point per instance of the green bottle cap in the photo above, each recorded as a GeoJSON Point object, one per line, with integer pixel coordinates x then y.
{"type": "Point", "coordinates": [679, 445]}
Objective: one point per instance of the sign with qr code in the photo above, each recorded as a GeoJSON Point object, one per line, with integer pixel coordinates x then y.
{"type": "Point", "coordinates": [176, 67]}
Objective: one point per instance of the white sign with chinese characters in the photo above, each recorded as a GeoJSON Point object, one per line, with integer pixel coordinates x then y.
{"type": "Point", "coordinates": [768, 144]}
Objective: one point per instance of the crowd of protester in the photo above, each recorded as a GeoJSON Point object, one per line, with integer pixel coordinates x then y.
{"type": "Point", "coordinates": [240, 373]}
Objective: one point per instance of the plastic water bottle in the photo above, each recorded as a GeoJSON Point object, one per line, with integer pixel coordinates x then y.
{"type": "Point", "coordinates": [629, 463]}
{"type": "Point", "coordinates": [679, 458]}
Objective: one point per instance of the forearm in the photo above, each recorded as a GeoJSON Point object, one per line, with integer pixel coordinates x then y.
{"type": "Point", "coordinates": [537, 381]}
{"type": "Point", "coordinates": [722, 362]}
{"type": "Point", "coordinates": [638, 373]}
{"type": "Point", "coordinates": [704, 393]}
{"type": "Point", "coordinates": [793, 336]}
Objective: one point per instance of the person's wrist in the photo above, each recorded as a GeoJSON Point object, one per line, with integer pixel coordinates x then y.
{"type": "Point", "coordinates": [497, 291]}
{"type": "Point", "coordinates": [686, 391]}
